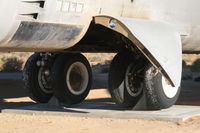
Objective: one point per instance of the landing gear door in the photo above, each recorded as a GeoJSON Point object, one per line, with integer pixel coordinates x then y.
{"type": "Point", "coordinates": [159, 42]}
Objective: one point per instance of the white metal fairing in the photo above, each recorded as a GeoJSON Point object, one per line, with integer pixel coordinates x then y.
{"type": "Point", "coordinates": [155, 39]}
{"type": "Point", "coordinates": [8, 23]}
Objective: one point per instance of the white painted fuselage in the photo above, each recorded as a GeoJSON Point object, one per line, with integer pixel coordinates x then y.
{"type": "Point", "coordinates": [183, 14]}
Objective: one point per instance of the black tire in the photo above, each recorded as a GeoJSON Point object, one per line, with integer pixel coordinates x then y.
{"type": "Point", "coordinates": [154, 90]}
{"type": "Point", "coordinates": [118, 81]}
{"type": "Point", "coordinates": [31, 81]}
{"type": "Point", "coordinates": [64, 90]}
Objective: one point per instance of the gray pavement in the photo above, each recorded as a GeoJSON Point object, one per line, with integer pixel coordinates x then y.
{"type": "Point", "coordinates": [176, 113]}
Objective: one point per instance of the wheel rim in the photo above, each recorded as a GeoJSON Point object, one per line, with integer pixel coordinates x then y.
{"type": "Point", "coordinates": [169, 90]}
{"type": "Point", "coordinates": [43, 83]}
{"type": "Point", "coordinates": [132, 81]}
{"type": "Point", "coordinates": [77, 78]}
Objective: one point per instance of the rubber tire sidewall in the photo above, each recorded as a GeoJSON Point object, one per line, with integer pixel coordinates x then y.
{"type": "Point", "coordinates": [59, 72]}
{"type": "Point", "coordinates": [156, 98]}
{"type": "Point", "coordinates": [30, 77]}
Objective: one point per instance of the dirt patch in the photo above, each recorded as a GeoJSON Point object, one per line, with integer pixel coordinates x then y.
{"type": "Point", "coordinates": [52, 124]}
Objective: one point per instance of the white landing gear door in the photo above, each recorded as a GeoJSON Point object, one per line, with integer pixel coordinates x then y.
{"type": "Point", "coordinates": [163, 42]}
{"type": "Point", "coordinates": [159, 42]}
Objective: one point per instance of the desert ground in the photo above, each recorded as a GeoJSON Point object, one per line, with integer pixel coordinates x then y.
{"type": "Point", "coordinates": [13, 95]}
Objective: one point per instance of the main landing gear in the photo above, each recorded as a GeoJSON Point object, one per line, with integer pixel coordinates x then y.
{"type": "Point", "coordinates": [130, 77]}
{"type": "Point", "coordinates": [68, 76]}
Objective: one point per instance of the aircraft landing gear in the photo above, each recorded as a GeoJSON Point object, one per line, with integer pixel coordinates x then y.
{"type": "Point", "coordinates": [67, 76]}
{"type": "Point", "coordinates": [130, 78]}
{"type": "Point", "coordinates": [126, 79]}
{"type": "Point", "coordinates": [37, 78]}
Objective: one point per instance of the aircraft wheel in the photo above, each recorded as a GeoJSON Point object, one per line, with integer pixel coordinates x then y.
{"type": "Point", "coordinates": [37, 80]}
{"type": "Point", "coordinates": [126, 79]}
{"type": "Point", "coordinates": [159, 93]}
{"type": "Point", "coordinates": [72, 78]}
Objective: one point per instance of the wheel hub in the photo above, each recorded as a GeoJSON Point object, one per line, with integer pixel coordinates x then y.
{"type": "Point", "coordinates": [77, 78]}
{"type": "Point", "coordinates": [44, 80]}
{"type": "Point", "coordinates": [133, 81]}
